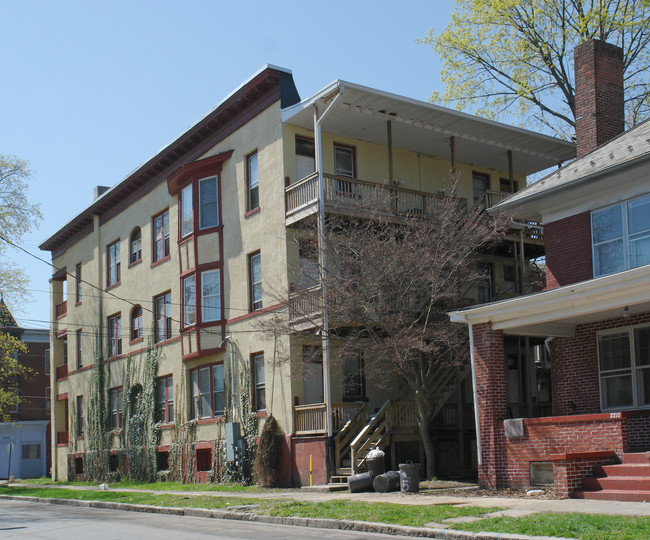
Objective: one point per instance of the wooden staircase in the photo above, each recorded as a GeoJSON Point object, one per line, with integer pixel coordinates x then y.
{"type": "Point", "coordinates": [629, 481]}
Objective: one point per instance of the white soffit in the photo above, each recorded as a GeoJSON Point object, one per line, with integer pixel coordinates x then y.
{"type": "Point", "coordinates": [362, 113]}
{"type": "Point", "coordinates": [558, 311]}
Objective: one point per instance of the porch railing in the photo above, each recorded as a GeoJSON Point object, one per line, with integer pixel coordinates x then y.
{"type": "Point", "coordinates": [354, 193]}
{"type": "Point", "coordinates": [305, 304]}
{"type": "Point", "coordinates": [311, 419]}
{"type": "Point", "coordinates": [61, 309]}
{"type": "Point", "coordinates": [525, 410]}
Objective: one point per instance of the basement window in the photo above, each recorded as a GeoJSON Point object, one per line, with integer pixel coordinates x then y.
{"type": "Point", "coordinates": [541, 473]}
{"type": "Point", "coordinates": [203, 459]}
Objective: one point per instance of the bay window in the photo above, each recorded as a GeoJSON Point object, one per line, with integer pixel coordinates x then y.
{"type": "Point", "coordinates": [211, 296]}
{"type": "Point", "coordinates": [189, 301]}
{"type": "Point", "coordinates": [208, 203]}
{"type": "Point", "coordinates": [187, 211]}
{"type": "Point", "coordinates": [208, 391]}
{"type": "Point", "coordinates": [620, 236]}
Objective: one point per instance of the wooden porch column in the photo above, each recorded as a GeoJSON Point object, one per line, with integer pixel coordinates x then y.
{"type": "Point", "coordinates": [489, 365]}
{"type": "Point", "coordinates": [511, 172]}
{"type": "Point", "coordinates": [452, 144]}
{"type": "Point", "coordinates": [389, 137]}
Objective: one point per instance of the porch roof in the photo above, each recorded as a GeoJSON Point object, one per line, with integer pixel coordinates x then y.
{"type": "Point", "coordinates": [362, 113]}
{"type": "Point", "coordinates": [557, 312]}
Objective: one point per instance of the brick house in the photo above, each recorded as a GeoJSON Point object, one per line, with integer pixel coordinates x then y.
{"type": "Point", "coordinates": [28, 425]}
{"type": "Point", "coordinates": [207, 239]}
{"type": "Point", "coordinates": [590, 328]}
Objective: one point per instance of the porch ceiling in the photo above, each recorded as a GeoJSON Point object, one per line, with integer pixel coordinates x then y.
{"type": "Point", "coordinates": [361, 113]}
{"type": "Point", "coordinates": [557, 312]}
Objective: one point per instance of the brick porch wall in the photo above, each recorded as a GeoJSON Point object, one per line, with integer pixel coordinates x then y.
{"type": "Point", "coordinates": [568, 255]}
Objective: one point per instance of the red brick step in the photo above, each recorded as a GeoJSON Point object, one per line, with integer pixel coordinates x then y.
{"type": "Point", "coordinates": [629, 481]}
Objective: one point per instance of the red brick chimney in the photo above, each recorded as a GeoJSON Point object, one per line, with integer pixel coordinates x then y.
{"type": "Point", "coordinates": [600, 109]}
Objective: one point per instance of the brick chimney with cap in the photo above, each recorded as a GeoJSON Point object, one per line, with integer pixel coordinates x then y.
{"type": "Point", "coordinates": [600, 107]}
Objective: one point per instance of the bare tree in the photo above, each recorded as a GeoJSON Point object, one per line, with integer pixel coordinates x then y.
{"type": "Point", "coordinates": [391, 278]}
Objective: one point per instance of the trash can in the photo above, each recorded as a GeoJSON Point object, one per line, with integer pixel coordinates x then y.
{"type": "Point", "coordinates": [375, 462]}
{"type": "Point", "coordinates": [409, 477]}
{"type": "Point", "coordinates": [360, 482]}
{"type": "Point", "coordinates": [386, 482]}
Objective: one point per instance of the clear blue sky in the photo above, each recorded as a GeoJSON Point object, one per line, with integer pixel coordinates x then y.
{"type": "Point", "coordinates": [91, 90]}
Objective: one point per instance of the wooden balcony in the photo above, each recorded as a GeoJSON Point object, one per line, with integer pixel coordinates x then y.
{"type": "Point", "coordinates": [311, 419]}
{"type": "Point", "coordinates": [306, 308]}
{"type": "Point", "coordinates": [61, 309]}
{"type": "Point", "coordinates": [62, 437]}
{"type": "Point", "coordinates": [532, 231]}
{"type": "Point", "coordinates": [61, 372]}
{"type": "Point", "coordinates": [349, 196]}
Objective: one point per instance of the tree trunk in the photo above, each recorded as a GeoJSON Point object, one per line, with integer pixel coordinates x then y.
{"type": "Point", "coordinates": [424, 419]}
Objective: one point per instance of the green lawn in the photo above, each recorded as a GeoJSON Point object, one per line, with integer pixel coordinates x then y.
{"type": "Point", "coordinates": [583, 526]}
{"type": "Point", "coordinates": [157, 486]}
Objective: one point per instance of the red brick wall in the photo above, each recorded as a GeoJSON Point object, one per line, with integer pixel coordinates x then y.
{"type": "Point", "coordinates": [600, 109]}
{"type": "Point", "coordinates": [32, 388]}
{"type": "Point", "coordinates": [568, 250]}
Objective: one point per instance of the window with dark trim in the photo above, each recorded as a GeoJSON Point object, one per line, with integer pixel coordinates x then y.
{"type": "Point", "coordinates": [252, 182]}
{"type": "Point", "coordinates": [161, 236]}
{"type": "Point", "coordinates": [353, 377]}
{"type": "Point", "coordinates": [79, 349]}
{"type": "Point", "coordinates": [345, 165]}
{"type": "Point", "coordinates": [211, 295]}
{"type": "Point", "coordinates": [257, 369]}
{"type": "Point", "coordinates": [136, 323]}
{"type": "Point", "coordinates": [187, 210]}
{"type": "Point", "coordinates": [114, 335]}
{"type": "Point", "coordinates": [485, 282]}
{"type": "Point", "coordinates": [208, 202]}
{"type": "Point", "coordinates": [135, 246]}
{"type": "Point", "coordinates": [480, 185]}
{"type": "Point", "coordinates": [113, 264]}
{"type": "Point", "coordinates": [189, 300]}
{"type": "Point", "coordinates": [255, 280]}
{"type": "Point", "coordinates": [80, 416]}
{"type": "Point", "coordinates": [165, 401]}
{"type": "Point", "coordinates": [208, 391]}
{"type": "Point", "coordinates": [115, 406]}
{"type": "Point", "coordinates": [77, 284]}
{"type": "Point", "coordinates": [163, 317]}
{"type": "Point", "coordinates": [305, 157]}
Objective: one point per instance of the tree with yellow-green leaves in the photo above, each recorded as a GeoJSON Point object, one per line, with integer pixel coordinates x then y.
{"type": "Point", "coordinates": [515, 57]}
{"type": "Point", "coordinates": [17, 217]}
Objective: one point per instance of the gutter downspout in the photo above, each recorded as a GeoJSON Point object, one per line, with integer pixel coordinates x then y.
{"type": "Point", "coordinates": [325, 338]}
{"type": "Point", "coordinates": [477, 427]}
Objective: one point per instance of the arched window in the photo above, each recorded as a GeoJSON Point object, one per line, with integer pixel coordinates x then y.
{"type": "Point", "coordinates": [136, 323]}
{"type": "Point", "coordinates": [135, 246]}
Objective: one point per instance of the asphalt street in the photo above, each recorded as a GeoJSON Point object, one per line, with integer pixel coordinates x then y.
{"type": "Point", "coordinates": [52, 521]}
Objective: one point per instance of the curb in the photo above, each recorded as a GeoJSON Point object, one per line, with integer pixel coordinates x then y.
{"type": "Point", "coordinates": [318, 523]}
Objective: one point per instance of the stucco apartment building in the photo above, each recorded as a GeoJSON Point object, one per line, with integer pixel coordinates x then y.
{"type": "Point", "coordinates": [202, 243]}
{"type": "Point", "coordinates": [28, 426]}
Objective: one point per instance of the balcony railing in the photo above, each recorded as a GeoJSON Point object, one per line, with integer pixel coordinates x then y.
{"type": "Point", "coordinates": [311, 419]}
{"type": "Point", "coordinates": [349, 194]}
{"type": "Point", "coordinates": [61, 372]}
{"type": "Point", "coordinates": [306, 305]}
{"type": "Point", "coordinates": [61, 309]}
{"type": "Point", "coordinates": [62, 437]}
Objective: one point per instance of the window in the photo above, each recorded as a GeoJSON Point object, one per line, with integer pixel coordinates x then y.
{"type": "Point", "coordinates": [208, 203]}
{"type": "Point", "coordinates": [13, 408]}
{"type": "Point", "coordinates": [161, 236]}
{"type": "Point", "coordinates": [620, 236]}
{"type": "Point", "coordinates": [114, 336]}
{"type": "Point", "coordinates": [135, 246]}
{"type": "Point", "coordinates": [165, 410]}
{"type": "Point", "coordinates": [115, 403]}
{"type": "Point", "coordinates": [136, 323]}
{"type": "Point", "coordinates": [113, 264]}
{"type": "Point", "coordinates": [211, 296]}
{"type": "Point", "coordinates": [208, 391]}
{"type": "Point", "coordinates": [79, 349]}
{"type": "Point", "coordinates": [624, 365]}
{"type": "Point", "coordinates": [80, 416]}
{"type": "Point", "coordinates": [504, 185]}
{"type": "Point", "coordinates": [31, 451]}
{"type": "Point", "coordinates": [485, 282]}
{"type": "Point", "coordinates": [163, 314]}
{"type": "Point", "coordinates": [344, 165]}
{"type": "Point", "coordinates": [260, 387]}
{"type": "Point", "coordinates": [480, 184]}
{"type": "Point", "coordinates": [305, 157]}
{"type": "Point", "coordinates": [344, 160]}
{"type": "Point", "coordinates": [252, 181]}
{"type": "Point", "coordinates": [187, 211]}
{"type": "Point", "coordinates": [255, 281]}
{"type": "Point", "coordinates": [353, 380]}
{"type": "Point", "coordinates": [48, 400]}
{"type": "Point", "coordinates": [77, 284]}
{"type": "Point", "coordinates": [47, 361]}
{"type": "Point", "coordinates": [189, 301]}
